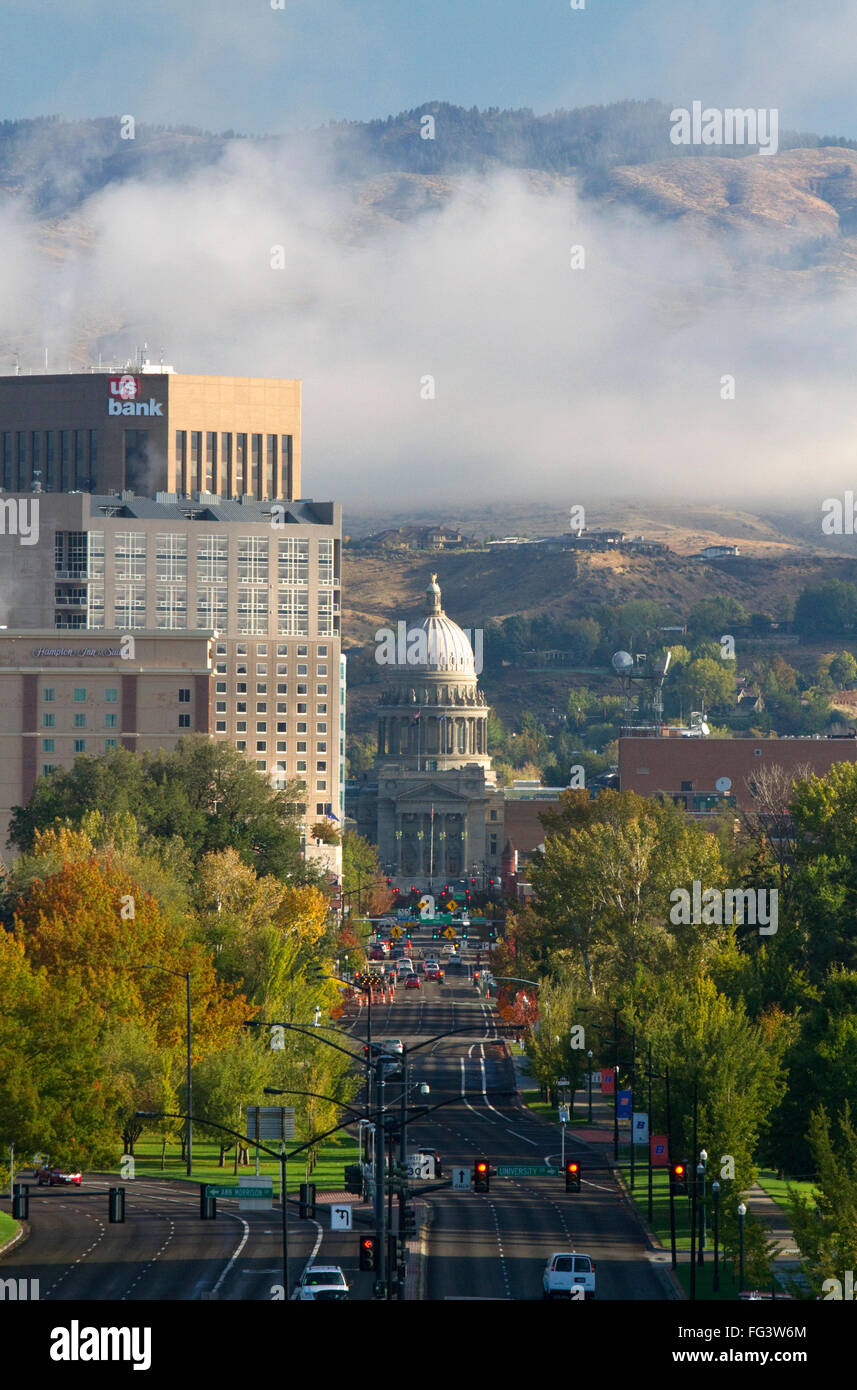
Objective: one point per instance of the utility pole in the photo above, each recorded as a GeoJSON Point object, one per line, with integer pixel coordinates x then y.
{"type": "Point", "coordinates": [380, 1209]}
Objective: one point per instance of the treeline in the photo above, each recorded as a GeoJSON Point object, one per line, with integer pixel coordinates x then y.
{"type": "Point", "coordinates": [762, 1025]}
{"type": "Point", "coordinates": [180, 862]}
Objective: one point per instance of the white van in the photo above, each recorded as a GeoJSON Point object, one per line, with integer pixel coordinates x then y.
{"type": "Point", "coordinates": [567, 1272]}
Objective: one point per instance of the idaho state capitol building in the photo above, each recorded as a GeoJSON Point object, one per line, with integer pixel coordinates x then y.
{"type": "Point", "coordinates": [159, 577]}
{"type": "Point", "coordinates": [433, 807]}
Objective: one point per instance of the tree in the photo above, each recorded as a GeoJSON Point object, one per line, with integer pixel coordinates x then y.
{"type": "Point", "coordinates": [716, 615]}
{"type": "Point", "coordinates": [826, 1229]}
{"type": "Point", "coordinates": [827, 607]}
{"type": "Point", "coordinates": [843, 670]}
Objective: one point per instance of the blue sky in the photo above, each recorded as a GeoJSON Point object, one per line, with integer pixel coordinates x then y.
{"type": "Point", "coordinates": [240, 64]}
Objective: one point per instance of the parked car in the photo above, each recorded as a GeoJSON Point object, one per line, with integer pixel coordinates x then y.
{"type": "Point", "coordinates": [568, 1270]}
{"type": "Point", "coordinates": [56, 1177]}
{"type": "Point", "coordinates": [322, 1282]}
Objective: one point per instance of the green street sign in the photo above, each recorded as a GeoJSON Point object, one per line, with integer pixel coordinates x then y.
{"type": "Point", "coordinates": [217, 1189]}
{"type": "Point", "coordinates": [525, 1170]}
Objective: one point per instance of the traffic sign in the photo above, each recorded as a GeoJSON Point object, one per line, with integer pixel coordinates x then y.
{"type": "Point", "coordinates": [449, 933]}
{"type": "Point", "coordinates": [217, 1189]}
{"type": "Point", "coordinates": [340, 1218]}
{"type": "Point", "coordinates": [420, 1166]}
{"type": "Point", "coordinates": [524, 1170]}
{"type": "Point", "coordinates": [462, 1179]}
{"type": "Point", "coordinates": [395, 932]}
{"type": "Point", "coordinates": [564, 1114]}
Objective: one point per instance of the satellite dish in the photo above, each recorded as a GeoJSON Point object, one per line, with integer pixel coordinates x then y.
{"type": "Point", "coordinates": [622, 661]}
{"type": "Point", "coordinates": [723, 784]}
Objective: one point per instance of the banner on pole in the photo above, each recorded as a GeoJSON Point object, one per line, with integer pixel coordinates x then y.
{"type": "Point", "coordinates": [624, 1105]}
{"type": "Point", "coordinates": [659, 1150]}
{"type": "Point", "coordinates": [607, 1082]}
{"type": "Point", "coordinates": [640, 1127]}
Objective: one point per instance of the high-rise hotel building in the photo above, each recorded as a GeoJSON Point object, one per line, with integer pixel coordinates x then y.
{"type": "Point", "coordinates": [253, 580]}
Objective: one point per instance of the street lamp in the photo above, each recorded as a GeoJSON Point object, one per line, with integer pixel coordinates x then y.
{"type": "Point", "coordinates": [589, 1059]}
{"type": "Point", "coordinates": [715, 1192]}
{"type": "Point", "coordinates": [742, 1212]}
{"type": "Point", "coordinates": [703, 1161]}
{"type": "Point", "coordinates": [700, 1178]}
{"type": "Point", "coordinates": [185, 975]}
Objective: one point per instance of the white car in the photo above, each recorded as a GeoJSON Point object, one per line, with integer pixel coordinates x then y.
{"type": "Point", "coordinates": [321, 1282]}
{"type": "Point", "coordinates": [566, 1272]}
{"type": "Point", "coordinates": [405, 966]}
{"type": "Point", "coordinates": [394, 1045]}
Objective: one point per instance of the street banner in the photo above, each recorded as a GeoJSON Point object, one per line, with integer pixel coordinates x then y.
{"type": "Point", "coordinates": [659, 1150]}
{"type": "Point", "coordinates": [640, 1128]}
{"type": "Point", "coordinates": [624, 1105]}
{"type": "Point", "coordinates": [607, 1082]}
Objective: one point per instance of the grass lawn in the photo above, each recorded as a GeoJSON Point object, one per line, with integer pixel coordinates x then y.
{"type": "Point", "coordinates": [545, 1111]}
{"type": "Point", "coordinates": [328, 1174]}
{"type": "Point", "coordinates": [777, 1188]}
{"type": "Point", "coordinates": [8, 1227]}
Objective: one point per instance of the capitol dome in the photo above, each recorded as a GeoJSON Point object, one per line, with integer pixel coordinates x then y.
{"type": "Point", "coordinates": [444, 646]}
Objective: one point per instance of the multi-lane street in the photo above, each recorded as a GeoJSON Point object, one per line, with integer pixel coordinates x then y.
{"type": "Point", "coordinates": [476, 1245]}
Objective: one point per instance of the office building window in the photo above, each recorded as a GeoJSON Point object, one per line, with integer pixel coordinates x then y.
{"type": "Point", "coordinates": [50, 478]}
{"type": "Point", "coordinates": [138, 475]}
{"type": "Point", "coordinates": [171, 606]}
{"type": "Point", "coordinates": [181, 483]}
{"type": "Point", "coordinates": [79, 694]}
{"type": "Point", "coordinates": [65, 461]}
{"type": "Point", "coordinates": [81, 460]}
{"type": "Point", "coordinates": [241, 706]}
{"type": "Point", "coordinates": [48, 693]}
{"type": "Point", "coordinates": [292, 612]}
{"type": "Point", "coordinates": [80, 721]}
{"type": "Point", "coordinates": [256, 456]}
{"type": "Point", "coordinates": [212, 563]}
{"type": "Point", "coordinates": [286, 466]}
{"type": "Point", "coordinates": [93, 461]}
{"type": "Point", "coordinates": [241, 464]}
{"type": "Point", "coordinates": [210, 461]}
{"type": "Point", "coordinates": [325, 562]}
{"type": "Point", "coordinates": [241, 726]}
{"type": "Point", "coordinates": [195, 450]}
{"type": "Point", "coordinates": [48, 745]}
{"type": "Point", "coordinates": [241, 745]}
{"type": "Point", "coordinates": [292, 561]}
{"type": "Point", "coordinates": [184, 697]}
{"type": "Point", "coordinates": [130, 607]}
{"type": "Point", "coordinates": [227, 481]}
{"type": "Point", "coordinates": [261, 707]}
{"type": "Point", "coordinates": [253, 559]}
{"type": "Point", "coordinates": [271, 466]}
{"type": "Point", "coordinates": [80, 745]}
{"type": "Point", "coordinates": [130, 556]}
{"type": "Point", "coordinates": [36, 456]}
{"type": "Point", "coordinates": [111, 721]}
{"type": "Point", "coordinates": [212, 608]}
{"type": "Point", "coordinates": [301, 746]}
{"type": "Point", "coordinates": [184, 721]}
{"type": "Point", "coordinates": [282, 747]}
{"type": "Point", "coordinates": [171, 558]}
{"type": "Point", "coordinates": [220, 726]}
{"type": "Point", "coordinates": [110, 743]}
{"type": "Point", "coordinates": [47, 769]}
{"type": "Point", "coordinates": [111, 696]}
{"type": "Point", "coordinates": [220, 706]}
{"type": "Point", "coordinates": [325, 613]}
{"type": "Point", "coordinates": [23, 481]}
{"type": "Point", "coordinates": [252, 610]}
{"type": "Point", "coordinates": [301, 766]}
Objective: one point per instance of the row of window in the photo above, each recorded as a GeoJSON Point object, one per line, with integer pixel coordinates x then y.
{"type": "Point", "coordinates": [234, 465]}
{"type": "Point", "coordinates": [61, 460]}
{"type": "Point", "coordinates": [253, 609]}
{"type": "Point", "coordinates": [81, 555]}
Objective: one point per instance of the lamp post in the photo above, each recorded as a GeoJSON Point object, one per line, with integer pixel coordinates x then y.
{"type": "Point", "coordinates": [742, 1212]}
{"type": "Point", "coordinates": [715, 1192]}
{"type": "Point", "coordinates": [185, 975]}
{"type": "Point", "coordinates": [589, 1059]}
{"type": "Point", "coordinates": [701, 1171]}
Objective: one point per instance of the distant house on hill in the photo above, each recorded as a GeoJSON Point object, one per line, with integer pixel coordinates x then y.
{"type": "Point", "coordinates": [416, 538]}
{"type": "Point", "coordinates": [716, 552]}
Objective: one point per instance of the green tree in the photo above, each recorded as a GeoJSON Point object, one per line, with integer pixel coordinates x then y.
{"type": "Point", "coordinates": [843, 670]}
{"type": "Point", "coordinates": [716, 615]}
{"type": "Point", "coordinates": [827, 607]}
{"type": "Point", "coordinates": [826, 1229]}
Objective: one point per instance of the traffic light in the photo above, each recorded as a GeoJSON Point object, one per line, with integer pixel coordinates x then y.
{"type": "Point", "coordinates": [367, 1252]}
{"type": "Point", "coordinates": [481, 1175]}
{"type": "Point", "coordinates": [407, 1222]}
{"type": "Point", "coordinates": [678, 1180]}
{"type": "Point", "coordinates": [306, 1208]}
{"type": "Point", "coordinates": [572, 1176]}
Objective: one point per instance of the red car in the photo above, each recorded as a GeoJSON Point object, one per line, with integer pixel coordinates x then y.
{"type": "Point", "coordinates": [412, 981]}
{"type": "Point", "coordinates": [432, 972]}
{"type": "Point", "coordinates": [55, 1177]}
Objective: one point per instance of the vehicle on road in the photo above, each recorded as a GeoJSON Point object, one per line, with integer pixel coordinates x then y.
{"type": "Point", "coordinates": [412, 981]}
{"type": "Point", "coordinates": [432, 1153]}
{"type": "Point", "coordinates": [567, 1270]}
{"type": "Point", "coordinates": [322, 1282]}
{"type": "Point", "coordinates": [405, 966]}
{"type": "Point", "coordinates": [394, 1045]}
{"type": "Point", "coordinates": [56, 1177]}
{"type": "Point", "coordinates": [434, 973]}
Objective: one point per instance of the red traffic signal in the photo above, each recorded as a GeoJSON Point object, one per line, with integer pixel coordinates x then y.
{"type": "Point", "coordinates": [367, 1253]}
{"type": "Point", "coordinates": [481, 1175]}
{"type": "Point", "coordinates": [678, 1179]}
{"type": "Point", "coordinates": [572, 1176]}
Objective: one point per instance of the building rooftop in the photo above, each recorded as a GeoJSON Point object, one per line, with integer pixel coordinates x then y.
{"type": "Point", "coordinates": [168, 506]}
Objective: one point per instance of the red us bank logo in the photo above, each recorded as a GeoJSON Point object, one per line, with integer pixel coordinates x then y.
{"type": "Point", "coordinates": [127, 388]}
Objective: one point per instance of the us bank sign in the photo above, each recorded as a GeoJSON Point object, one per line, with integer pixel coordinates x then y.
{"type": "Point", "coordinates": [122, 398]}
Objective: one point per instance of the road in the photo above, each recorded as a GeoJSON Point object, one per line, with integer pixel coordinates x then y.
{"type": "Point", "coordinates": [486, 1246]}
{"type": "Point", "coordinates": [495, 1245]}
